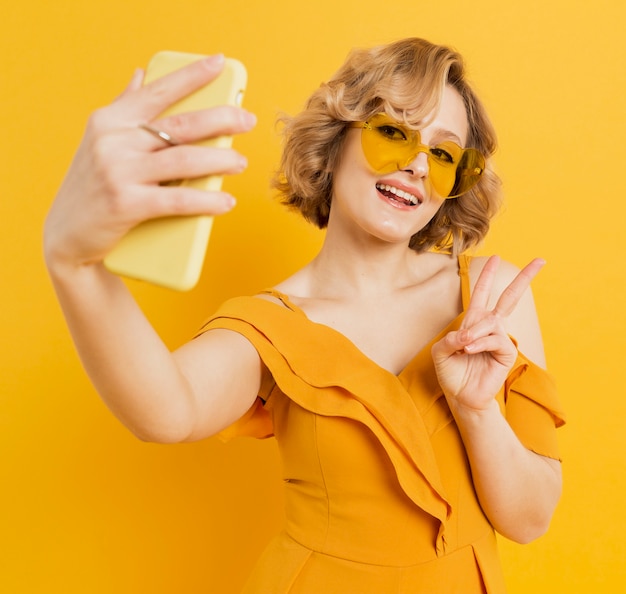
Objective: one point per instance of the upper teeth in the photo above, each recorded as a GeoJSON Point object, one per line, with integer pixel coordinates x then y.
{"type": "Point", "coordinates": [399, 193]}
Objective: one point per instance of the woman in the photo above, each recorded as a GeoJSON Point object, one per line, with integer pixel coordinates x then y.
{"type": "Point", "coordinates": [410, 425]}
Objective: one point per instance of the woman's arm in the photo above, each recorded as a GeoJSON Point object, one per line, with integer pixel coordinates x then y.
{"type": "Point", "coordinates": [517, 488]}
{"type": "Point", "coordinates": [112, 185]}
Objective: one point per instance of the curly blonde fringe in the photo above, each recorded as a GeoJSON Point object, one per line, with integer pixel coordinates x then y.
{"type": "Point", "coordinates": [404, 79]}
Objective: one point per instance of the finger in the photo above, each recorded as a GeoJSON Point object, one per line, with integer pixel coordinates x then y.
{"type": "Point", "coordinates": [182, 201]}
{"type": "Point", "coordinates": [457, 341]}
{"type": "Point", "coordinates": [217, 121]}
{"type": "Point", "coordinates": [489, 324]}
{"type": "Point", "coordinates": [187, 162]}
{"type": "Point", "coordinates": [195, 126]}
{"type": "Point", "coordinates": [511, 296]}
{"type": "Point", "coordinates": [496, 345]}
{"type": "Point", "coordinates": [461, 341]}
{"type": "Point", "coordinates": [150, 100]}
{"type": "Point", "coordinates": [453, 342]}
{"type": "Point", "coordinates": [484, 285]}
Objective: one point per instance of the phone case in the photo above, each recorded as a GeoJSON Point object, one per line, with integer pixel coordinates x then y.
{"type": "Point", "coordinates": [170, 251]}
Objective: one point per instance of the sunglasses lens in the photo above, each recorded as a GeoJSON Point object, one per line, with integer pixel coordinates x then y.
{"type": "Point", "coordinates": [389, 146]}
{"type": "Point", "coordinates": [453, 170]}
{"type": "Point", "coordinates": [386, 143]}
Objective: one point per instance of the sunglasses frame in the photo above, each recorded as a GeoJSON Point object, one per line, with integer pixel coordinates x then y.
{"type": "Point", "coordinates": [453, 170]}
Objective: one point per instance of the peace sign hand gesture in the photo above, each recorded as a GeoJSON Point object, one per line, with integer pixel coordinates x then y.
{"type": "Point", "coordinates": [473, 362]}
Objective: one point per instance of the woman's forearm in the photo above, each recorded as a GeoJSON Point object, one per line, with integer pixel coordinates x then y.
{"type": "Point", "coordinates": [129, 365]}
{"type": "Point", "coordinates": [113, 184]}
{"type": "Point", "coordinates": [517, 488]}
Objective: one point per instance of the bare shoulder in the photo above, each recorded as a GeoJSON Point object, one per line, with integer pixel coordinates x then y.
{"type": "Point", "coordinates": [522, 324]}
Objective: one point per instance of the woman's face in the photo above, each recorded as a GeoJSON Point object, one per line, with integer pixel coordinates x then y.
{"type": "Point", "coordinates": [393, 207]}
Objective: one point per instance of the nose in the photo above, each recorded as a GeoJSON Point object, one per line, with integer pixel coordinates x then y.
{"type": "Point", "coordinates": [418, 166]}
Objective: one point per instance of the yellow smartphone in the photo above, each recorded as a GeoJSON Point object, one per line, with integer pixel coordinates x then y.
{"type": "Point", "coordinates": [170, 251]}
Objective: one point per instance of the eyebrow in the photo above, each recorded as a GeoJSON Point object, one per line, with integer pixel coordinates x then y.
{"type": "Point", "coordinates": [446, 134]}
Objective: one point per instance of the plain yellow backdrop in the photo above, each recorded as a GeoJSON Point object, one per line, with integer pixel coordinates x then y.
{"type": "Point", "coordinates": [84, 506]}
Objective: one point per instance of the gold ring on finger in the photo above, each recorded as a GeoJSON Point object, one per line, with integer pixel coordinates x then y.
{"type": "Point", "coordinates": [159, 134]}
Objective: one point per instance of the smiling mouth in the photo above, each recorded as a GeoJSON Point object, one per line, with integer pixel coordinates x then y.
{"type": "Point", "coordinates": [398, 195]}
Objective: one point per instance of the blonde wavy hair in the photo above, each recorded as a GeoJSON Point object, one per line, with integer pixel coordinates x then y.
{"type": "Point", "coordinates": [404, 79]}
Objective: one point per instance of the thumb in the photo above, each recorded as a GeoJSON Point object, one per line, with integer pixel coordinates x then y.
{"type": "Point", "coordinates": [453, 342]}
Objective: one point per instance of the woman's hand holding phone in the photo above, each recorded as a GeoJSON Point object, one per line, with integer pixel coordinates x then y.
{"type": "Point", "coordinates": [116, 179]}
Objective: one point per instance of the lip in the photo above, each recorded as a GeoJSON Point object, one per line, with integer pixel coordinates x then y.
{"type": "Point", "coordinates": [405, 188]}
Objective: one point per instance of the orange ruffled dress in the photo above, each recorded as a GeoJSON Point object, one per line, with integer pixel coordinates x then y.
{"type": "Point", "coordinates": [379, 494]}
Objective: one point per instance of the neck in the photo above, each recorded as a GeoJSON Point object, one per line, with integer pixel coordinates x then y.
{"type": "Point", "coordinates": [363, 268]}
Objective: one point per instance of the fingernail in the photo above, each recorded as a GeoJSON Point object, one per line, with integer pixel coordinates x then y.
{"type": "Point", "coordinates": [229, 202]}
{"type": "Point", "coordinates": [214, 61]}
{"type": "Point", "coordinates": [243, 162]}
{"type": "Point", "coordinates": [249, 119]}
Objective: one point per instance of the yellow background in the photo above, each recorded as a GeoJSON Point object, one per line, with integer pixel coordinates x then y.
{"type": "Point", "coordinates": [84, 506]}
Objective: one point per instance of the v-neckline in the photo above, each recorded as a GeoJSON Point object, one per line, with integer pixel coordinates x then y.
{"type": "Point", "coordinates": [463, 272]}
{"type": "Point", "coordinates": [288, 305]}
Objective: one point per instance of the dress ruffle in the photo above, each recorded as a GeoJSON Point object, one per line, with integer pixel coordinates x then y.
{"type": "Point", "coordinates": [325, 374]}
{"type": "Point", "coordinates": [343, 386]}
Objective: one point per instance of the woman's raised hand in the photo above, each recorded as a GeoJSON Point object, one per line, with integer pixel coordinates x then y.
{"type": "Point", "coordinates": [472, 363]}
{"type": "Point", "coordinates": [114, 180]}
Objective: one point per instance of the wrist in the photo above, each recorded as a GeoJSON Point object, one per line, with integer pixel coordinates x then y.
{"type": "Point", "coordinates": [62, 262]}
{"type": "Point", "coordinates": [470, 416]}
{"type": "Point", "coordinates": [66, 274]}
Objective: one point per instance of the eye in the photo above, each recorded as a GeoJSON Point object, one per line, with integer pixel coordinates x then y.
{"type": "Point", "coordinates": [441, 153]}
{"type": "Point", "coordinates": [390, 132]}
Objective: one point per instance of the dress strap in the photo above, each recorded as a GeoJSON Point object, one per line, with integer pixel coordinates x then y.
{"type": "Point", "coordinates": [464, 261]}
{"type": "Point", "coordinates": [284, 299]}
